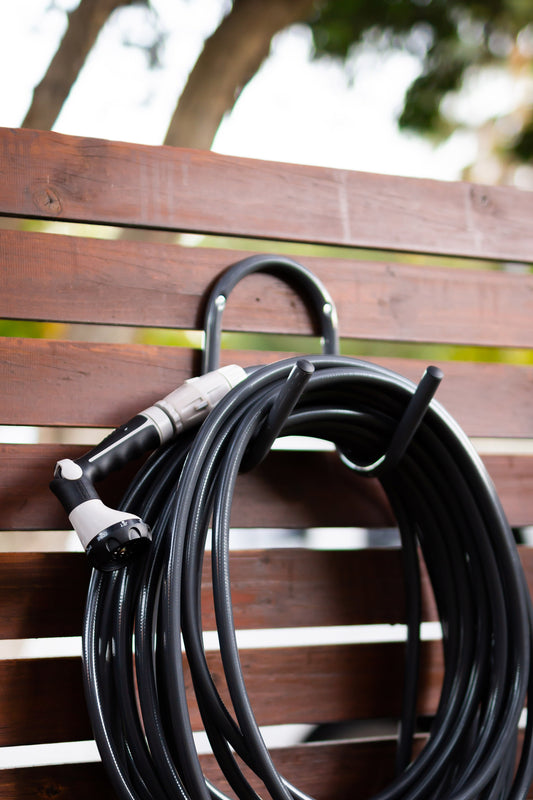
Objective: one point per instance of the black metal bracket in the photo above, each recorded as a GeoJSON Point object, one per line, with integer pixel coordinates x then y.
{"type": "Point", "coordinates": [320, 302]}
{"type": "Point", "coordinates": [406, 428]}
{"type": "Point", "coordinates": [281, 408]}
{"type": "Point", "coordinates": [310, 288]}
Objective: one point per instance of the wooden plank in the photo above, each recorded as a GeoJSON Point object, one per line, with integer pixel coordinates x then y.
{"type": "Point", "coordinates": [46, 382]}
{"type": "Point", "coordinates": [262, 499]}
{"type": "Point", "coordinates": [513, 477]}
{"type": "Point", "coordinates": [270, 588]}
{"type": "Point", "coordinates": [51, 176]}
{"type": "Point", "coordinates": [63, 781]}
{"type": "Point", "coordinates": [70, 381]}
{"type": "Point", "coordinates": [42, 594]}
{"type": "Point", "coordinates": [41, 700]}
{"type": "Point", "coordinates": [26, 500]}
{"type": "Point", "coordinates": [330, 771]}
{"type": "Point", "coordinates": [78, 280]}
{"type": "Point", "coordinates": [274, 588]}
{"type": "Point", "coordinates": [345, 682]}
{"type": "Point", "coordinates": [333, 771]}
{"type": "Point", "coordinates": [275, 495]}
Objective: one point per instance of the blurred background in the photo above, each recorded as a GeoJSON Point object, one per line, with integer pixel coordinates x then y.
{"type": "Point", "coordinates": [427, 88]}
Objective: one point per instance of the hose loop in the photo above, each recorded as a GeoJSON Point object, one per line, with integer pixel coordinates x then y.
{"type": "Point", "coordinates": [446, 508]}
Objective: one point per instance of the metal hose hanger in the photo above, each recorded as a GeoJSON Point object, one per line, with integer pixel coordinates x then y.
{"type": "Point", "coordinates": [312, 291]}
{"type": "Point", "coordinates": [445, 505]}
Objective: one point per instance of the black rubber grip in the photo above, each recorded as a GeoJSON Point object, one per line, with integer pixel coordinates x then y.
{"type": "Point", "coordinates": [123, 445]}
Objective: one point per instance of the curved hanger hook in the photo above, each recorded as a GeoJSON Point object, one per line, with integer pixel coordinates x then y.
{"type": "Point", "coordinates": [312, 291]}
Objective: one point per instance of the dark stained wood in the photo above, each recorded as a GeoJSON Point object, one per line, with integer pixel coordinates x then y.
{"type": "Point", "coordinates": [79, 280]}
{"type": "Point", "coordinates": [42, 594]}
{"type": "Point", "coordinates": [41, 700]}
{"type": "Point", "coordinates": [344, 681]}
{"type": "Point", "coordinates": [333, 771]}
{"type": "Point", "coordinates": [328, 771]}
{"type": "Point", "coordinates": [57, 782]}
{"type": "Point", "coordinates": [513, 478]}
{"type": "Point", "coordinates": [77, 380]}
{"type": "Point", "coordinates": [51, 176]}
{"type": "Point", "coordinates": [25, 497]}
{"type": "Point", "coordinates": [275, 495]}
{"type": "Point", "coordinates": [270, 588]}
{"type": "Point", "coordinates": [285, 587]}
{"type": "Point", "coordinates": [46, 382]}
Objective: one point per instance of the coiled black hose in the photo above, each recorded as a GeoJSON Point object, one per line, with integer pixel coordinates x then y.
{"type": "Point", "coordinates": [443, 501]}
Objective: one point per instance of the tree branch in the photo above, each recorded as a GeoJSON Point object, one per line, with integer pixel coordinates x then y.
{"type": "Point", "coordinates": [84, 25]}
{"type": "Point", "coordinates": [231, 57]}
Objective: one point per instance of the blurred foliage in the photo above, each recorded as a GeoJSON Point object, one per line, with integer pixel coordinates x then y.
{"type": "Point", "coordinates": [522, 147]}
{"type": "Point", "coordinates": [452, 38]}
{"type": "Point", "coordinates": [374, 349]}
{"type": "Point", "coordinates": [28, 329]}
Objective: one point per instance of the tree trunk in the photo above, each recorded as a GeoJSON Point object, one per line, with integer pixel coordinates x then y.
{"type": "Point", "coordinates": [230, 58]}
{"type": "Point", "coordinates": [84, 25]}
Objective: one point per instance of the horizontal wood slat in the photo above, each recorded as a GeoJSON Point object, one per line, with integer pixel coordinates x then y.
{"type": "Point", "coordinates": [79, 280]}
{"type": "Point", "coordinates": [46, 382]}
{"type": "Point", "coordinates": [270, 588]}
{"type": "Point", "coordinates": [513, 479]}
{"type": "Point", "coordinates": [285, 587]}
{"type": "Point", "coordinates": [42, 594]}
{"type": "Point", "coordinates": [71, 381]}
{"type": "Point", "coordinates": [275, 495]}
{"type": "Point", "coordinates": [52, 176]}
{"type": "Point", "coordinates": [333, 771]}
{"type": "Point", "coordinates": [41, 700]}
{"type": "Point", "coordinates": [332, 683]}
{"type": "Point", "coordinates": [63, 781]}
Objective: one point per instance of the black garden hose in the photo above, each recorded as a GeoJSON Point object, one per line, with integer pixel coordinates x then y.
{"type": "Point", "coordinates": [444, 503]}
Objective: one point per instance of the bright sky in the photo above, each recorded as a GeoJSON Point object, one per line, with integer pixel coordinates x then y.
{"type": "Point", "coordinates": [294, 110]}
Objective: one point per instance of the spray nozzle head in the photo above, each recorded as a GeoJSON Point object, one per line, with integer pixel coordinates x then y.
{"type": "Point", "coordinates": [114, 546]}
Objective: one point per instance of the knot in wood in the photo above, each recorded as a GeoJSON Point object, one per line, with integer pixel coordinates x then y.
{"type": "Point", "coordinates": [50, 791]}
{"type": "Point", "coordinates": [481, 198]}
{"type": "Point", "coordinates": [47, 199]}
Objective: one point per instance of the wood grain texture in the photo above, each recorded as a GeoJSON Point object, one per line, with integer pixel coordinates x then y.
{"type": "Point", "coordinates": [512, 476]}
{"type": "Point", "coordinates": [79, 280]}
{"type": "Point", "coordinates": [333, 771]}
{"type": "Point", "coordinates": [57, 782]}
{"type": "Point", "coordinates": [332, 683]}
{"type": "Point", "coordinates": [42, 594]}
{"type": "Point", "coordinates": [271, 588]}
{"type": "Point", "coordinates": [72, 381]}
{"type": "Point", "coordinates": [44, 382]}
{"type": "Point", "coordinates": [42, 700]}
{"type": "Point", "coordinates": [51, 176]}
{"type": "Point", "coordinates": [326, 771]}
{"type": "Point", "coordinates": [275, 495]}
